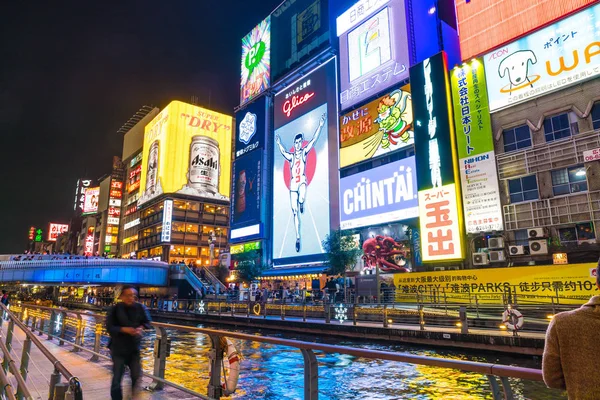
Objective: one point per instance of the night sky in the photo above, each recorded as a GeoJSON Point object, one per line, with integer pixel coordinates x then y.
{"type": "Point", "coordinates": [72, 73]}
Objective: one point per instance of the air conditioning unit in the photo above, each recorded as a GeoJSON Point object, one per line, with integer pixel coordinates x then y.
{"type": "Point", "coordinates": [497, 256]}
{"type": "Point", "coordinates": [538, 247]}
{"type": "Point", "coordinates": [480, 259]}
{"type": "Point", "coordinates": [496, 243]}
{"type": "Point", "coordinates": [516, 250]}
{"type": "Point", "coordinates": [536, 233]}
{"type": "Point", "coordinates": [439, 268]}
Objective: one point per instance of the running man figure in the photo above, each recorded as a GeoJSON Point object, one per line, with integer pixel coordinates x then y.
{"type": "Point", "coordinates": [298, 183]}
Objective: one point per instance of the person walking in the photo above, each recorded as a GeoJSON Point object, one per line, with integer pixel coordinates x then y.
{"type": "Point", "coordinates": [125, 323]}
{"type": "Point", "coordinates": [571, 352]}
{"type": "Point", "coordinates": [4, 300]}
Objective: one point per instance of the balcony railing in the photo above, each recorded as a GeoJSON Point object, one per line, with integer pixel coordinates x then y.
{"type": "Point", "coordinates": [546, 157]}
{"type": "Point", "coordinates": [582, 207]}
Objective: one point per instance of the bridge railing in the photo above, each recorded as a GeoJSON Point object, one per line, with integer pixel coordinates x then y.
{"type": "Point", "coordinates": [57, 391]}
{"type": "Point", "coordinates": [81, 263]}
{"type": "Point", "coordinates": [498, 376]}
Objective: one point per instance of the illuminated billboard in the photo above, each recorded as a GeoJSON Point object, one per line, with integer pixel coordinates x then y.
{"type": "Point", "coordinates": [90, 202]}
{"type": "Point", "coordinates": [82, 186]}
{"type": "Point", "coordinates": [187, 150]}
{"type": "Point", "coordinates": [246, 193]}
{"type": "Point", "coordinates": [561, 55]}
{"type": "Point", "coordinates": [379, 195]}
{"type": "Point", "coordinates": [305, 116]}
{"type": "Point", "coordinates": [256, 61]}
{"type": "Point", "coordinates": [56, 229]}
{"type": "Point", "coordinates": [300, 30]}
{"type": "Point", "coordinates": [251, 127]}
{"type": "Point", "coordinates": [373, 49]}
{"type": "Point", "coordinates": [377, 128]}
{"type": "Point", "coordinates": [484, 25]}
{"type": "Point", "coordinates": [477, 159]}
{"type": "Point", "coordinates": [440, 206]}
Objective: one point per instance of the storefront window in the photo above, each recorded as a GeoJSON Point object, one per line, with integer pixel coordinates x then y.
{"type": "Point", "coordinates": [147, 232]}
{"type": "Point", "coordinates": [209, 209]}
{"type": "Point", "coordinates": [156, 251]}
{"type": "Point", "coordinates": [142, 254]}
{"type": "Point", "coordinates": [178, 227]}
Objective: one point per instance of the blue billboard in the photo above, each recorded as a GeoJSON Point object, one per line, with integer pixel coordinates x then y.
{"type": "Point", "coordinates": [246, 190]}
{"type": "Point", "coordinates": [380, 195]}
{"type": "Point", "coordinates": [304, 156]}
{"type": "Point", "coordinates": [251, 127]}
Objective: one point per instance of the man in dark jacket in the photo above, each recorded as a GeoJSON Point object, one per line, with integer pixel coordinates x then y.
{"type": "Point", "coordinates": [125, 323]}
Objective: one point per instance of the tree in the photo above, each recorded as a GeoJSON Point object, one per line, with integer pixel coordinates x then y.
{"type": "Point", "coordinates": [249, 266]}
{"type": "Point", "coordinates": [342, 251]}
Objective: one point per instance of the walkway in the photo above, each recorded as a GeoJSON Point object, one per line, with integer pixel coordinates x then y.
{"type": "Point", "coordinates": [94, 377]}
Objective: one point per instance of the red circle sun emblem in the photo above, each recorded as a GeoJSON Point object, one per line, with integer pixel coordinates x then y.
{"type": "Point", "coordinates": [311, 166]}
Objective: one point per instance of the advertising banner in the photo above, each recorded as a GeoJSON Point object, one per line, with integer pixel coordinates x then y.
{"type": "Point", "coordinates": [477, 160]}
{"type": "Point", "coordinates": [377, 128]}
{"type": "Point", "coordinates": [300, 29]}
{"type": "Point", "coordinates": [256, 61]}
{"type": "Point", "coordinates": [246, 196]}
{"type": "Point", "coordinates": [373, 49]}
{"type": "Point", "coordinates": [90, 202]}
{"type": "Point", "coordinates": [305, 115]}
{"type": "Point", "coordinates": [561, 55]}
{"type": "Point", "coordinates": [484, 25]}
{"type": "Point", "coordinates": [572, 283]}
{"type": "Point", "coordinates": [440, 207]}
{"type": "Point", "coordinates": [56, 229]}
{"type": "Point", "coordinates": [251, 127]}
{"type": "Point", "coordinates": [165, 235]}
{"type": "Point", "coordinates": [380, 195]}
{"type": "Point", "coordinates": [187, 150]}
{"type": "Point", "coordinates": [82, 186]}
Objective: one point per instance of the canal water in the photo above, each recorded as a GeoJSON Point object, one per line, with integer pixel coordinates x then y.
{"type": "Point", "coordinates": [275, 372]}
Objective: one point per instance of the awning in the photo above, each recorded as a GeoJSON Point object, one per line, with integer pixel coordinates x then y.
{"type": "Point", "coordinates": [301, 270]}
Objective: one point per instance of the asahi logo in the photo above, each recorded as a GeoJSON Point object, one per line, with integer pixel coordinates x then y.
{"type": "Point", "coordinates": [210, 162]}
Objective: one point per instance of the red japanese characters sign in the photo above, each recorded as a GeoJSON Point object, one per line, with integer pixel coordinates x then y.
{"type": "Point", "coordinates": [441, 237]}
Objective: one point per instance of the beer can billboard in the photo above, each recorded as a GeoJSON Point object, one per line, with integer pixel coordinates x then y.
{"type": "Point", "coordinates": [187, 150]}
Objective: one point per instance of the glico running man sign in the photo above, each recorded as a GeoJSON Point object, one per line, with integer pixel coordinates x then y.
{"type": "Point", "coordinates": [305, 123]}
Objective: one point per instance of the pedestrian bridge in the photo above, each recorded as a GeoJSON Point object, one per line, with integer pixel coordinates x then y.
{"type": "Point", "coordinates": [80, 270]}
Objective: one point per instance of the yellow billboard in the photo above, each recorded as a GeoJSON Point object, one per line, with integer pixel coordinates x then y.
{"type": "Point", "coordinates": [562, 284]}
{"type": "Point", "coordinates": [187, 150]}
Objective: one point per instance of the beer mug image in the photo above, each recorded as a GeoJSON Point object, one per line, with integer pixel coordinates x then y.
{"type": "Point", "coordinates": [240, 204]}
{"type": "Point", "coordinates": [204, 169]}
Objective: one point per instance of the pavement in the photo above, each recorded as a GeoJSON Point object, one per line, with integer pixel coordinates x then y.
{"type": "Point", "coordinates": [95, 377]}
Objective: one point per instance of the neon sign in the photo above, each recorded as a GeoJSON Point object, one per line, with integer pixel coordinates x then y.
{"type": "Point", "coordinates": [296, 101]}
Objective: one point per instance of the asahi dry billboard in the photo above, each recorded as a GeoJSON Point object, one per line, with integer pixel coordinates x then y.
{"type": "Point", "coordinates": [187, 149]}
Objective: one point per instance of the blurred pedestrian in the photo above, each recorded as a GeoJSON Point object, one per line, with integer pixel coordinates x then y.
{"type": "Point", "coordinates": [125, 323]}
{"type": "Point", "coordinates": [571, 352]}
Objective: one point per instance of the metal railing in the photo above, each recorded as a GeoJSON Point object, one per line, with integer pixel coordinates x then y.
{"type": "Point", "coordinates": [82, 263]}
{"type": "Point", "coordinates": [57, 391]}
{"type": "Point", "coordinates": [497, 375]}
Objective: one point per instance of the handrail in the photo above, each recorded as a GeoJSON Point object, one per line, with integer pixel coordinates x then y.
{"type": "Point", "coordinates": [192, 278]}
{"type": "Point", "coordinates": [6, 386]}
{"type": "Point", "coordinates": [214, 280]}
{"type": "Point", "coordinates": [58, 366]}
{"type": "Point", "coordinates": [15, 371]}
{"type": "Point", "coordinates": [468, 366]}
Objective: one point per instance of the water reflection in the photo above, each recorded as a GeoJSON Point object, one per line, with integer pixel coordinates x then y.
{"type": "Point", "coordinates": [275, 372]}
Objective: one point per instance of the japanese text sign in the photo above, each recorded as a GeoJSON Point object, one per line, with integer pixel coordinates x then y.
{"type": "Point", "coordinates": [251, 127]}
{"type": "Point", "coordinates": [56, 229]}
{"type": "Point", "coordinates": [477, 161]}
{"type": "Point", "coordinates": [440, 207]}
{"type": "Point", "coordinates": [561, 55]}
{"type": "Point", "coordinates": [373, 49]}
{"type": "Point", "coordinates": [256, 61]}
{"type": "Point", "coordinates": [380, 127]}
{"type": "Point", "coordinates": [167, 221]}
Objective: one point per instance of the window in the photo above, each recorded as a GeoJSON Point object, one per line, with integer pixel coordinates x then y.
{"type": "Point", "coordinates": [596, 116]}
{"type": "Point", "coordinates": [557, 127]}
{"type": "Point", "coordinates": [523, 189]}
{"type": "Point", "coordinates": [517, 138]}
{"type": "Point", "coordinates": [580, 232]}
{"type": "Point", "coordinates": [569, 180]}
{"type": "Point", "coordinates": [522, 237]}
